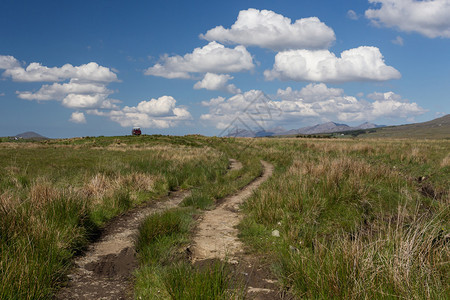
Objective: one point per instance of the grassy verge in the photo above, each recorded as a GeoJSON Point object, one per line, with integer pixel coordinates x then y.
{"type": "Point", "coordinates": [55, 195]}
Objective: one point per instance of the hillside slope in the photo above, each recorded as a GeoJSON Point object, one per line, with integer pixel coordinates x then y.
{"type": "Point", "coordinates": [435, 129]}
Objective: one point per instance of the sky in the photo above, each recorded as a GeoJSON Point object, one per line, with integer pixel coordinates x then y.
{"type": "Point", "coordinates": [92, 68]}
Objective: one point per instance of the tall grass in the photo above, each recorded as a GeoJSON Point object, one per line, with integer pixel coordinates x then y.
{"type": "Point", "coordinates": [54, 197]}
{"type": "Point", "coordinates": [352, 218]}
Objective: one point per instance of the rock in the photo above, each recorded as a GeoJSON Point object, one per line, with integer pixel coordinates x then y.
{"type": "Point", "coordinates": [276, 233]}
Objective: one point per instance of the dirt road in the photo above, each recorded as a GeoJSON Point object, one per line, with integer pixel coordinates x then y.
{"type": "Point", "coordinates": [105, 270]}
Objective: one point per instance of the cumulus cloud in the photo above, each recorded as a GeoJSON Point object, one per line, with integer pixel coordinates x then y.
{"type": "Point", "coordinates": [79, 101]}
{"type": "Point", "coordinates": [267, 29]}
{"type": "Point", "coordinates": [57, 91]}
{"type": "Point", "coordinates": [8, 62]}
{"type": "Point", "coordinates": [77, 117]}
{"type": "Point", "coordinates": [313, 103]}
{"type": "Point", "coordinates": [359, 64]}
{"type": "Point", "coordinates": [392, 105]}
{"type": "Point", "coordinates": [217, 82]}
{"type": "Point", "coordinates": [310, 93]}
{"type": "Point", "coordinates": [214, 58]}
{"type": "Point", "coordinates": [86, 87]}
{"type": "Point", "coordinates": [429, 18]}
{"type": "Point", "coordinates": [158, 113]}
{"type": "Point", "coordinates": [86, 91]}
{"type": "Point", "coordinates": [253, 108]}
{"type": "Point", "coordinates": [36, 72]}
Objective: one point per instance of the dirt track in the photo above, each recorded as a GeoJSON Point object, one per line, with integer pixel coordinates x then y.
{"type": "Point", "coordinates": [105, 270]}
{"type": "Point", "coordinates": [216, 235]}
{"type": "Point", "coordinates": [217, 238]}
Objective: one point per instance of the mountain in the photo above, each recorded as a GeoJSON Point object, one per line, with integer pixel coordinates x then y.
{"type": "Point", "coordinates": [30, 135]}
{"type": "Point", "coordinates": [320, 128]}
{"type": "Point", "coordinates": [437, 128]}
{"type": "Point", "coordinates": [328, 127]}
{"type": "Point", "coordinates": [237, 132]}
{"type": "Point", "coordinates": [367, 125]}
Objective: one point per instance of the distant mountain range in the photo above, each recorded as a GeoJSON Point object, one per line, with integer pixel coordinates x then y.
{"type": "Point", "coordinates": [329, 127]}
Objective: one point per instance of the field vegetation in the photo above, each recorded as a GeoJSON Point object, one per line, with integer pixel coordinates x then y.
{"type": "Point", "coordinates": [357, 218]}
{"type": "Point", "coordinates": [56, 195]}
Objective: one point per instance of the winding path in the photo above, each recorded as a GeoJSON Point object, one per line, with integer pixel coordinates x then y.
{"type": "Point", "coordinates": [105, 269]}
{"type": "Point", "coordinates": [217, 238]}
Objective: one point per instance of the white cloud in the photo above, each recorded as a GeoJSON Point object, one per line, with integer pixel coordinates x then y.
{"type": "Point", "coordinates": [392, 105]}
{"type": "Point", "coordinates": [310, 93]}
{"type": "Point", "coordinates": [161, 107]}
{"type": "Point", "coordinates": [351, 14]}
{"type": "Point", "coordinates": [214, 58]}
{"type": "Point", "coordinates": [217, 82]}
{"type": "Point", "coordinates": [253, 108]}
{"type": "Point", "coordinates": [267, 29]}
{"type": "Point", "coordinates": [8, 62]}
{"type": "Point", "coordinates": [313, 103]}
{"type": "Point", "coordinates": [359, 64]}
{"type": "Point", "coordinates": [77, 117]}
{"type": "Point", "coordinates": [429, 18]}
{"type": "Point", "coordinates": [36, 72]}
{"type": "Point", "coordinates": [398, 41]}
{"type": "Point", "coordinates": [79, 101]}
{"type": "Point", "coordinates": [86, 91]}
{"type": "Point", "coordinates": [86, 87]}
{"type": "Point", "coordinates": [2, 94]}
{"type": "Point", "coordinates": [57, 91]}
{"type": "Point", "coordinates": [159, 113]}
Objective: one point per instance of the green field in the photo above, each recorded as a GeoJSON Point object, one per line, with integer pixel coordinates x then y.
{"type": "Point", "coordinates": [357, 218]}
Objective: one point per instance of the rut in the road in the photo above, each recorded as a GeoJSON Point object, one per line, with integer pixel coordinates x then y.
{"type": "Point", "coordinates": [217, 238]}
{"type": "Point", "coordinates": [105, 270]}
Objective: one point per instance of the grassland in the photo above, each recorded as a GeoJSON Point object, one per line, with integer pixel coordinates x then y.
{"type": "Point", "coordinates": [357, 218]}
{"type": "Point", "coordinates": [55, 196]}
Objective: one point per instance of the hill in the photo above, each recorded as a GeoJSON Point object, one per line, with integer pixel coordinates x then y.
{"type": "Point", "coordinates": [435, 129]}
{"type": "Point", "coordinates": [31, 135]}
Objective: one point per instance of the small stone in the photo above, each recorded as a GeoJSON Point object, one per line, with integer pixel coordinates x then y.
{"type": "Point", "coordinates": [276, 233]}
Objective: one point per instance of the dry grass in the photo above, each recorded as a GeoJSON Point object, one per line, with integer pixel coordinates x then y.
{"type": "Point", "coordinates": [353, 224]}
{"type": "Point", "coordinates": [54, 196]}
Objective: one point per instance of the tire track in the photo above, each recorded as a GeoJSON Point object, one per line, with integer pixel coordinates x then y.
{"type": "Point", "coordinates": [217, 238]}
{"type": "Point", "coordinates": [105, 270]}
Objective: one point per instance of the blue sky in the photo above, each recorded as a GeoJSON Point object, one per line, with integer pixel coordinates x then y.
{"type": "Point", "coordinates": [78, 68]}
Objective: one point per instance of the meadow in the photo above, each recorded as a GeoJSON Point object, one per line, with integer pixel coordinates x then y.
{"type": "Point", "coordinates": [357, 218]}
